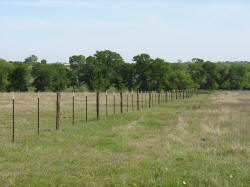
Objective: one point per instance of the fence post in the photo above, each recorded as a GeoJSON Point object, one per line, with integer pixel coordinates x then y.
{"type": "Point", "coordinates": [149, 100]}
{"type": "Point", "coordinates": [121, 104]}
{"type": "Point", "coordinates": [38, 113]}
{"type": "Point", "coordinates": [155, 98]}
{"type": "Point", "coordinates": [73, 108]}
{"type": "Point", "coordinates": [58, 110]}
{"type": "Point", "coordinates": [132, 100]}
{"type": "Point", "coordinates": [159, 98]}
{"type": "Point", "coordinates": [166, 97]}
{"type": "Point", "coordinates": [142, 100]}
{"type": "Point", "coordinates": [114, 102]}
{"type": "Point", "coordinates": [86, 112]}
{"type": "Point", "coordinates": [98, 105]}
{"type": "Point", "coordinates": [137, 95]}
{"type": "Point", "coordinates": [13, 118]}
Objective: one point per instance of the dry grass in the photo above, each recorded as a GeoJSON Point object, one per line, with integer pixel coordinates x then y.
{"type": "Point", "coordinates": [203, 141]}
{"type": "Point", "coordinates": [26, 110]}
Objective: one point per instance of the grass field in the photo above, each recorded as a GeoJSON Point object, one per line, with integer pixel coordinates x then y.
{"type": "Point", "coordinates": [202, 141]}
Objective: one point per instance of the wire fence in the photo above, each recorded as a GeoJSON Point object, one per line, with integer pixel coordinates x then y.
{"type": "Point", "coordinates": [29, 113]}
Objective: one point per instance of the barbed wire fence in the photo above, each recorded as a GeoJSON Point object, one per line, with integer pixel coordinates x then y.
{"type": "Point", "coordinates": [30, 113]}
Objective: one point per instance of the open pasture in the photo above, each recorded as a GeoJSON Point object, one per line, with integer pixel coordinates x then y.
{"type": "Point", "coordinates": [78, 108]}
{"type": "Point", "coordinates": [200, 141]}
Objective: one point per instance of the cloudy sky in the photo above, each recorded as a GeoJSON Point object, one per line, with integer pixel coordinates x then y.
{"type": "Point", "coordinates": [216, 30]}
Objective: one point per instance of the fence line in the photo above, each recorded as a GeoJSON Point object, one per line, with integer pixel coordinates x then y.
{"type": "Point", "coordinates": [84, 108]}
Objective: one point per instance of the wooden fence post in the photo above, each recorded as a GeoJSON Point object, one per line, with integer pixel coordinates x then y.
{"type": "Point", "coordinates": [149, 100]}
{"type": "Point", "coordinates": [98, 105]}
{"type": "Point", "coordinates": [137, 95]}
{"type": "Point", "coordinates": [166, 97]}
{"type": "Point", "coordinates": [132, 100]}
{"type": "Point", "coordinates": [142, 100]}
{"type": "Point", "coordinates": [121, 104]}
{"type": "Point", "coordinates": [58, 110]}
{"type": "Point", "coordinates": [155, 99]}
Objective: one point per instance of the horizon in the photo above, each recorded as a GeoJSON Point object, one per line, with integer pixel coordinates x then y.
{"type": "Point", "coordinates": [216, 30]}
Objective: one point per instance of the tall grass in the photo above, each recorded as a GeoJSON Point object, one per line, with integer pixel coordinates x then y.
{"type": "Point", "coordinates": [202, 141]}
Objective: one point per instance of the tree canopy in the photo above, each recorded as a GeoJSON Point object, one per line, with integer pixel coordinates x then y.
{"type": "Point", "coordinates": [107, 70]}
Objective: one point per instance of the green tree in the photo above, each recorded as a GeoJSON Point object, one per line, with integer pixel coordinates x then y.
{"type": "Point", "coordinates": [31, 59]}
{"type": "Point", "coordinates": [43, 61]}
{"type": "Point", "coordinates": [160, 71]}
{"type": "Point", "coordinates": [180, 80]}
{"type": "Point", "coordinates": [94, 75]}
{"type": "Point", "coordinates": [128, 76]}
{"type": "Point", "coordinates": [143, 71]}
{"type": "Point", "coordinates": [42, 77]}
{"type": "Point", "coordinates": [59, 78]}
{"type": "Point", "coordinates": [76, 64]}
{"type": "Point", "coordinates": [237, 77]}
{"type": "Point", "coordinates": [223, 80]}
{"type": "Point", "coordinates": [5, 71]}
{"type": "Point", "coordinates": [104, 70]}
{"type": "Point", "coordinates": [112, 66]}
{"type": "Point", "coordinates": [20, 78]}
{"type": "Point", "coordinates": [211, 75]}
{"type": "Point", "coordinates": [197, 73]}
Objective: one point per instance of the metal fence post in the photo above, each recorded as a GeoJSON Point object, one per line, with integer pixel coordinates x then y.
{"type": "Point", "coordinates": [137, 94]}
{"type": "Point", "coordinates": [86, 108]}
{"type": "Point", "coordinates": [58, 110]}
{"type": "Point", "coordinates": [38, 113]}
{"type": "Point", "coordinates": [73, 108]}
{"type": "Point", "coordinates": [98, 105]}
{"type": "Point", "coordinates": [13, 118]}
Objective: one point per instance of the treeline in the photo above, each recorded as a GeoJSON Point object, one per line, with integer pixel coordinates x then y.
{"type": "Point", "coordinates": [106, 70]}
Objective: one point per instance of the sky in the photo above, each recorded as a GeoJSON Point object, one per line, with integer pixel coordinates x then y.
{"type": "Point", "coordinates": [215, 30]}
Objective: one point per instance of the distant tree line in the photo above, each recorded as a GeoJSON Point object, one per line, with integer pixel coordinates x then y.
{"type": "Point", "coordinates": [107, 70]}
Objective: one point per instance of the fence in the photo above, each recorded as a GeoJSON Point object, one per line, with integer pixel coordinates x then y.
{"type": "Point", "coordinates": [29, 113]}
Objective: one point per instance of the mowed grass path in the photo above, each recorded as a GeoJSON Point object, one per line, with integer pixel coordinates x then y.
{"type": "Point", "coordinates": [202, 141]}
